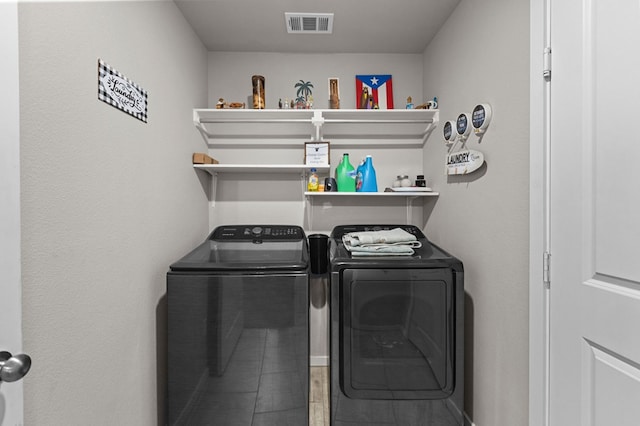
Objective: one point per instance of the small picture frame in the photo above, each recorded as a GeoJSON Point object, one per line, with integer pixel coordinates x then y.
{"type": "Point", "coordinates": [316, 153]}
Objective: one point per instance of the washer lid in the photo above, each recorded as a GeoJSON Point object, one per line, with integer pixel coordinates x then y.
{"type": "Point", "coordinates": [249, 248]}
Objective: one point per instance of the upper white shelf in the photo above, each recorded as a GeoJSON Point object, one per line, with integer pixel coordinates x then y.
{"type": "Point", "coordinates": [301, 169]}
{"type": "Point", "coordinates": [409, 126]}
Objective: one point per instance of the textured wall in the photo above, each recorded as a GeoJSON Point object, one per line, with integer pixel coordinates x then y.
{"type": "Point", "coordinates": [482, 55]}
{"type": "Point", "coordinates": [230, 78]}
{"type": "Point", "coordinates": [108, 202]}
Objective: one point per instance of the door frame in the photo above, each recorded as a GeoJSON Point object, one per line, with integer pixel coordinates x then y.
{"type": "Point", "coordinates": [539, 213]}
{"type": "Point", "coordinates": [11, 394]}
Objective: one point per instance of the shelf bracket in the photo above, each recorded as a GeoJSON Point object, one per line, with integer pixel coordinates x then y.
{"type": "Point", "coordinates": [214, 189]}
{"type": "Point", "coordinates": [317, 120]}
{"type": "Point", "coordinates": [203, 132]}
{"type": "Point", "coordinates": [409, 217]}
{"type": "Point", "coordinates": [427, 132]}
{"type": "Point", "coordinates": [307, 204]}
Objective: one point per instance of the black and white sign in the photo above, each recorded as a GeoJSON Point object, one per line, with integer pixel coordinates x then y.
{"type": "Point", "coordinates": [480, 118]}
{"type": "Point", "coordinates": [120, 92]}
{"type": "Point", "coordinates": [462, 125]}
{"type": "Point", "coordinates": [463, 162]}
{"type": "Point", "coordinates": [448, 132]}
{"type": "Point", "coordinates": [316, 153]}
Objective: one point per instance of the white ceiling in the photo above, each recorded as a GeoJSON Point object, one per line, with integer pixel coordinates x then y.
{"type": "Point", "coordinates": [360, 26]}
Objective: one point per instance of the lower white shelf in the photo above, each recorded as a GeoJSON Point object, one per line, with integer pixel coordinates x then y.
{"type": "Point", "coordinates": [371, 194]}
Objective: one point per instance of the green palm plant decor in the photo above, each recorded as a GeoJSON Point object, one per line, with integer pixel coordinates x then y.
{"type": "Point", "coordinates": [304, 89]}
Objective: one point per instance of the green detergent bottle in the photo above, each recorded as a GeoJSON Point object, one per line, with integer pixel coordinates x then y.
{"type": "Point", "coordinates": [346, 175]}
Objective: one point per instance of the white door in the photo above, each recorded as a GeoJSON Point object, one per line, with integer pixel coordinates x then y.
{"type": "Point", "coordinates": [10, 303]}
{"type": "Point", "coordinates": [595, 213]}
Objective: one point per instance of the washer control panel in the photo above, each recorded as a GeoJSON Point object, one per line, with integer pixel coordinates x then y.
{"type": "Point", "coordinates": [255, 232]}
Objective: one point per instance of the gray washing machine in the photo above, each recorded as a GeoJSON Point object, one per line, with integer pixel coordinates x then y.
{"type": "Point", "coordinates": [397, 335]}
{"type": "Point", "coordinates": [238, 329]}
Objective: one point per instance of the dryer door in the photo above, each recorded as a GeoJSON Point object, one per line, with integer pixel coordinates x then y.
{"type": "Point", "coordinates": [397, 333]}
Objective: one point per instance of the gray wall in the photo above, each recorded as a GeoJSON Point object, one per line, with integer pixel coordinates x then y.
{"type": "Point", "coordinates": [108, 202]}
{"type": "Point", "coordinates": [278, 199]}
{"type": "Point", "coordinates": [481, 55]}
{"type": "Point", "coordinates": [247, 201]}
{"type": "Point", "coordinates": [230, 75]}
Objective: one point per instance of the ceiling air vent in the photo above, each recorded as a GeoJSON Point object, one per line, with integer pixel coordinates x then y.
{"type": "Point", "coordinates": [309, 23]}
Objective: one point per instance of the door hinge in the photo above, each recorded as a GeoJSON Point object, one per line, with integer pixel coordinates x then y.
{"type": "Point", "coordinates": [546, 269]}
{"type": "Point", "coordinates": [546, 63]}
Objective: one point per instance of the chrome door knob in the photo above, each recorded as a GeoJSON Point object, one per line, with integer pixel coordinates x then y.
{"type": "Point", "coordinates": [13, 367]}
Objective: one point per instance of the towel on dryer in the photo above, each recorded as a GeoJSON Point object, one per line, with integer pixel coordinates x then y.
{"type": "Point", "coordinates": [393, 242]}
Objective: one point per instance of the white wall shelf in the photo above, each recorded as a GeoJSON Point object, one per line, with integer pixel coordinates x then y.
{"type": "Point", "coordinates": [298, 169]}
{"type": "Point", "coordinates": [406, 198]}
{"type": "Point", "coordinates": [340, 126]}
{"type": "Point", "coordinates": [239, 132]}
{"type": "Point", "coordinates": [372, 194]}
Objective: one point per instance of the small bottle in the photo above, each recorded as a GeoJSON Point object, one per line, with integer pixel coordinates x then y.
{"type": "Point", "coordinates": [409, 103]}
{"type": "Point", "coordinates": [420, 182]}
{"type": "Point", "coordinates": [312, 186]}
{"type": "Point", "coordinates": [404, 181]}
{"type": "Point", "coordinates": [359, 175]}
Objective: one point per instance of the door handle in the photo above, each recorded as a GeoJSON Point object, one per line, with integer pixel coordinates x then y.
{"type": "Point", "coordinates": [13, 367]}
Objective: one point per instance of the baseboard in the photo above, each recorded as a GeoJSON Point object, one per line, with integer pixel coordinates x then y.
{"type": "Point", "coordinates": [319, 361]}
{"type": "Point", "coordinates": [467, 421]}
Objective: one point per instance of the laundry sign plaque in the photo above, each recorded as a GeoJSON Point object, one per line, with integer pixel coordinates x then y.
{"type": "Point", "coordinates": [463, 162]}
{"type": "Point", "coordinates": [118, 91]}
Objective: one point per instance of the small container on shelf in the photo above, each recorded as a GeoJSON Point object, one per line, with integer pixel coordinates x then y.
{"type": "Point", "coordinates": [401, 180]}
{"type": "Point", "coordinates": [313, 184]}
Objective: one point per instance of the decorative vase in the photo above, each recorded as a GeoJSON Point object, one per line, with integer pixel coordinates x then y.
{"type": "Point", "coordinates": [258, 91]}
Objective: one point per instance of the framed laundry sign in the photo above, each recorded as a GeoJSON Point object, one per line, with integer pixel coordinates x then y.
{"type": "Point", "coordinates": [316, 153]}
{"type": "Point", "coordinates": [118, 91]}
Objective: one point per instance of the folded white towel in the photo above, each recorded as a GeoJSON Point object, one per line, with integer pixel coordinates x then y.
{"type": "Point", "coordinates": [390, 236]}
{"type": "Point", "coordinates": [394, 242]}
{"type": "Point", "coordinates": [382, 250]}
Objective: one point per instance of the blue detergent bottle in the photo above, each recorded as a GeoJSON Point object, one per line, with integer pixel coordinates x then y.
{"type": "Point", "coordinates": [369, 180]}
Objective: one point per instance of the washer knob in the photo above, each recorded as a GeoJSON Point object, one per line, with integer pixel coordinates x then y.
{"type": "Point", "coordinates": [256, 230]}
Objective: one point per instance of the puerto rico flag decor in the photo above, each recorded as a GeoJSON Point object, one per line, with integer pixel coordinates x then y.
{"type": "Point", "coordinates": [374, 91]}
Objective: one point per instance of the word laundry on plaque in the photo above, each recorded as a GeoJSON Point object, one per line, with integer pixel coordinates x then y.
{"type": "Point", "coordinates": [463, 162]}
